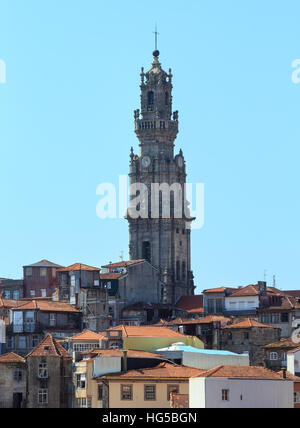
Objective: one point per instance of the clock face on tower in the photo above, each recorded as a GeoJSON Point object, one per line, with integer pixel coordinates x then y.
{"type": "Point", "coordinates": [146, 161]}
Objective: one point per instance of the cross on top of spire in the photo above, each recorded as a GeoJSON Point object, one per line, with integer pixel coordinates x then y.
{"type": "Point", "coordinates": [156, 51]}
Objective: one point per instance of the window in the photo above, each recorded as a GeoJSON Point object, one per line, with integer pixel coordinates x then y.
{"type": "Point", "coordinates": [126, 392]}
{"type": "Point", "coordinates": [43, 371]}
{"type": "Point", "coordinates": [225, 394]}
{"type": "Point", "coordinates": [73, 280]}
{"type": "Point", "coordinates": [150, 97]}
{"type": "Point", "coordinates": [53, 273]}
{"type": "Point", "coordinates": [52, 320]}
{"type": "Point", "coordinates": [150, 392]}
{"type": "Point", "coordinates": [32, 293]}
{"type": "Point", "coordinates": [44, 292]}
{"type": "Point", "coordinates": [219, 306]}
{"type": "Point", "coordinates": [296, 397]}
{"type": "Point", "coordinates": [273, 356]}
{"type": "Point", "coordinates": [283, 357]}
{"type": "Point", "coordinates": [183, 274]}
{"type": "Point", "coordinates": [246, 336]}
{"type": "Point", "coordinates": [28, 271]}
{"type": "Point", "coordinates": [16, 295]}
{"type": "Point", "coordinates": [178, 270]}
{"type": "Point", "coordinates": [275, 318]}
{"type": "Point", "coordinates": [285, 317]}
{"type": "Point", "coordinates": [10, 342]}
{"type": "Point", "coordinates": [81, 402]}
{"type": "Point", "coordinates": [6, 294]}
{"type": "Point", "coordinates": [210, 306]}
{"type": "Point", "coordinates": [146, 252]}
{"type": "Point", "coordinates": [89, 402]}
{"type": "Point", "coordinates": [80, 380]}
{"type": "Point", "coordinates": [18, 375]}
{"type": "Point", "coordinates": [100, 392]}
{"type": "Point", "coordinates": [43, 396]}
{"type": "Point", "coordinates": [167, 98]}
{"type": "Point", "coordinates": [172, 388]}
{"type": "Point", "coordinates": [43, 272]}
{"type": "Point", "coordinates": [22, 342]}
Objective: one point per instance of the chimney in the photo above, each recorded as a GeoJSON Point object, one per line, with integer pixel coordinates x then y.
{"type": "Point", "coordinates": [125, 367]}
{"type": "Point", "coordinates": [262, 286]}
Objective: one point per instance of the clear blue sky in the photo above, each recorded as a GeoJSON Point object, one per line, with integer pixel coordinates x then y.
{"type": "Point", "coordinates": [66, 125]}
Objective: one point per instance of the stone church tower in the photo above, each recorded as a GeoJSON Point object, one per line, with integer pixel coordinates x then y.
{"type": "Point", "coordinates": [164, 242]}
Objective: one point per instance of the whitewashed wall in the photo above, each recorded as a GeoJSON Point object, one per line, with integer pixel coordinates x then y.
{"type": "Point", "coordinates": [207, 393]}
{"type": "Point", "coordinates": [209, 361]}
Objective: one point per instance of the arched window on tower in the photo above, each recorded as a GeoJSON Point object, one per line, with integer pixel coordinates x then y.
{"type": "Point", "coordinates": [183, 274]}
{"type": "Point", "coordinates": [146, 251]}
{"type": "Point", "coordinates": [178, 270]}
{"type": "Point", "coordinates": [167, 98]}
{"type": "Point", "coordinates": [150, 98]}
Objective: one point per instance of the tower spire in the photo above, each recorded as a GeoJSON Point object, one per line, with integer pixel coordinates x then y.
{"type": "Point", "coordinates": [156, 36]}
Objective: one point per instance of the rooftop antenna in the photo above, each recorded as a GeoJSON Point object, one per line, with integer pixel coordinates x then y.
{"type": "Point", "coordinates": [156, 36]}
{"type": "Point", "coordinates": [265, 275]}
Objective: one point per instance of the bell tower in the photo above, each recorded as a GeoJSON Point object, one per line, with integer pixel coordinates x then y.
{"type": "Point", "coordinates": [163, 240]}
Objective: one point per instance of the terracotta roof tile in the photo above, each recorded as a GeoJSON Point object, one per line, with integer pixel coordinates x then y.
{"type": "Point", "coordinates": [8, 303]}
{"type": "Point", "coordinates": [161, 371]}
{"type": "Point", "coordinates": [49, 347]}
{"type": "Point", "coordinates": [87, 335]}
{"type": "Point", "coordinates": [124, 263]}
{"type": "Point", "coordinates": [78, 267]}
{"type": "Point", "coordinates": [248, 323]}
{"type": "Point", "coordinates": [119, 353]}
{"type": "Point", "coordinates": [253, 290]}
{"type": "Point", "coordinates": [111, 275]}
{"type": "Point", "coordinates": [11, 357]}
{"type": "Point", "coordinates": [205, 320]}
{"type": "Point", "coordinates": [48, 306]}
{"type": "Point", "coordinates": [191, 304]}
{"type": "Point", "coordinates": [44, 263]}
{"type": "Point", "coordinates": [241, 372]}
{"type": "Point", "coordinates": [146, 331]}
{"type": "Point", "coordinates": [283, 343]}
{"type": "Point", "coordinates": [218, 290]}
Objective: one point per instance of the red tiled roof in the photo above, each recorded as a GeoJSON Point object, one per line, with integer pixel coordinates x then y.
{"type": "Point", "coordinates": [293, 293]}
{"type": "Point", "coordinates": [191, 304]}
{"type": "Point", "coordinates": [205, 320]}
{"type": "Point", "coordinates": [44, 263]}
{"type": "Point", "coordinates": [286, 303]}
{"type": "Point", "coordinates": [218, 290]}
{"type": "Point", "coordinates": [292, 351]}
{"type": "Point", "coordinates": [161, 371]}
{"type": "Point", "coordinates": [146, 331]}
{"type": "Point", "coordinates": [8, 303]}
{"type": "Point", "coordinates": [283, 343]}
{"type": "Point", "coordinates": [49, 347]}
{"type": "Point", "coordinates": [253, 290]}
{"type": "Point", "coordinates": [248, 323]}
{"type": "Point", "coordinates": [87, 335]}
{"type": "Point", "coordinates": [124, 263]}
{"type": "Point", "coordinates": [48, 306]}
{"type": "Point", "coordinates": [119, 353]}
{"type": "Point", "coordinates": [241, 372]}
{"type": "Point", "coordinates": [110, 275]}
{"type": "Point", "coordinates": [78, 267]}
{"type": "Point", "coordinates": [138, 306]}
{"type": "Point", "coordinates": [11, 357]}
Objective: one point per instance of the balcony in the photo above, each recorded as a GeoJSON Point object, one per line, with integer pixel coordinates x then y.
{"type": "Point", "coordinates": [26, 327]}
